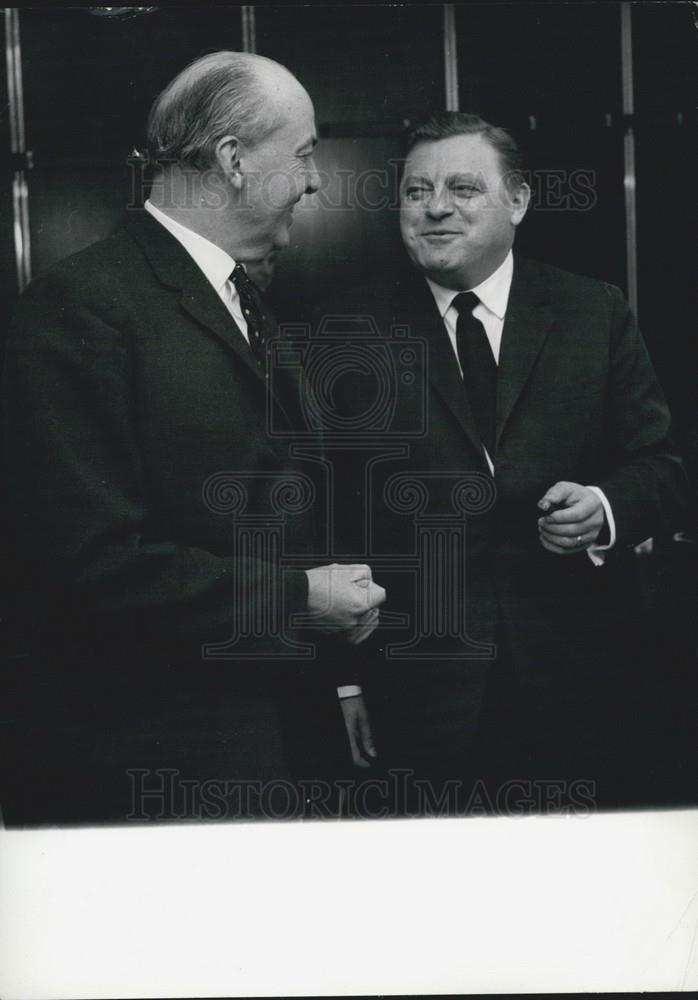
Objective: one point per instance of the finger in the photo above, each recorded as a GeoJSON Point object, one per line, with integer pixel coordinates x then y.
{"type": "Point", "coordinates": [556, 549]}
{"type": "Point", "coordinates": [588, 530]}
{"type": "Point", "coordinates": [359, 571]}
{"type": "Point", "coordinates": [368, 620]}
{"type": "Point", "coordinates": [368, 616]}
{"type": "Point", "coordinates": [368, 598]}
{"type": "Point", "coordinates": [570, 530]}
{"type": "Point", "coordinates": [580, 510]}
{"type": "Point", "coordinates": [350, 723]}
{"type": "Point", "coordinates": [354, 741]}
{"type": "Point", "coordinates": [564, 543]}
{"type": "Point", "coordinates": [357, 757]}
{"type": "Point", "coordinates": [376, 595]}
{"type": "Point", "coordinates": [366, 737]}
{"type": "Point", "coordinates": [558, 533]}
{"type": "Point", "coordinates": [561, 492]}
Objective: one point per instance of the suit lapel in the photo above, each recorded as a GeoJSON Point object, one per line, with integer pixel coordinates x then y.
{"type": "Point", "coordinates": [203, 305]}
{"type": "Point", "coordinates": [528, 320]}
{"type": "Point", "coordinates": [286, 382]}
{"type": "Point", "coordinates": [415, 308]}
{"type": "Point", "coordinates": [175, 268]}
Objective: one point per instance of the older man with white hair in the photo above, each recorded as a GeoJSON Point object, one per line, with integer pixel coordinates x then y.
{"type": "Point", "coordinates": [166, 537]}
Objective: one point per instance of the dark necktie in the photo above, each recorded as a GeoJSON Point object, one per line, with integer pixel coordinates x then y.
{"type": "Point", "coordinates": [479, 368]}
{"type": "Point", "coordinates": [254, 311]}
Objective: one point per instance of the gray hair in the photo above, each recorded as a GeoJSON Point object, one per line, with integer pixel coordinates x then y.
{"type": "Point", "coordinates": [216, 95]}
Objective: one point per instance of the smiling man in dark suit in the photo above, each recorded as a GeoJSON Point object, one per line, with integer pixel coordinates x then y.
{"type": "Point", "coordinates": [538, 416]}
{"type": "Point", "coordinates": [165, 538]}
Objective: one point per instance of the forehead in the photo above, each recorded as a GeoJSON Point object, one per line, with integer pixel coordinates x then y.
{"type": "Point", "coordinates": [458, 154]}
{"type": "Point", "coordinates": [295, 113]}
{"type": "Point", "coordinates": [282, 90]}
{"type": "Point", "coordinates": [293, 100]}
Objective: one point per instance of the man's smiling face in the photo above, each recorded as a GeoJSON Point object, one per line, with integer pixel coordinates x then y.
{"type": "Point", "coordinates": [458, 216]}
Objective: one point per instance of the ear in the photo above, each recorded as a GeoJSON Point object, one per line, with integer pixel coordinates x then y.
{"type": "Point", "coordinates": [227, 157]}
{"type": "Point", "coordinates": [519, 199]}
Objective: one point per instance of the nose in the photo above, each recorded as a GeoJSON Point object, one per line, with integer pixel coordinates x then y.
{"type": "Point", "coordinates": [312, 178]}
{"type": "Point", "coordinates": [439, 204]}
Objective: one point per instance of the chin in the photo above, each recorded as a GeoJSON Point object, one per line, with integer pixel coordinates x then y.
{"type": "Point", "coordinates": [438, 265]}
{"type": "Point", "coordinates": [281, 240]}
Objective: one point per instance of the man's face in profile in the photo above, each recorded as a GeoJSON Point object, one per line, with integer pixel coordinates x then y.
{"type": "Point", "coordinates": [457, 215]}
{"type": "Point", "coordinates": [277, 172]}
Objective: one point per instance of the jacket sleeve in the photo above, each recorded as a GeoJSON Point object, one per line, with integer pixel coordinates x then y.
{"type": "Point", "coordinates": [646, 485]}
{"type": "Point", "coordinates": [78, 491]}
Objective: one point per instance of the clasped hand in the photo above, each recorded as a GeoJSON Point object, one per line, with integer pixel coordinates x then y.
{"type": "Point", "coordinates": [344, 598]}
{"type": "Point", "coordinates": [575, 524]}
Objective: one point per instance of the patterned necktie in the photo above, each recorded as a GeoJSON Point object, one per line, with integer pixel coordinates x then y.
{"type": "Point", "coordinates": [254, 311]}
{"type": "Point", "coordinates": [479, 368]}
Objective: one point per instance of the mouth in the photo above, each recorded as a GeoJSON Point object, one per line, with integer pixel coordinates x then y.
{"type": "Point", "coordinates": [439, 234]}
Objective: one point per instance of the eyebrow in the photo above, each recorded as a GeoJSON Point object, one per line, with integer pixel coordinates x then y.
{"type": "Point", "coordinates": [471, 177]}
{"type": "Point", "coordinates": [417, 179]}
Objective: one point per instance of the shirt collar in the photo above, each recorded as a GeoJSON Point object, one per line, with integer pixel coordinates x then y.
{"type": "Point", "coordinates": [216, 264]}
{"type": "Point", "coordinates": [493, 292]}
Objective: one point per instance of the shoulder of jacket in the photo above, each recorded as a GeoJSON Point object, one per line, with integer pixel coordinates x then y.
{"type": "Point", "coordinates": [97, 264]}
{"type": "Point", "coordinates": [101, 280]}
{"type": "Point", "coordinates": [569, 283]}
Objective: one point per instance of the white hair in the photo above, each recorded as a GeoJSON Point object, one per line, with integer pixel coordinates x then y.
{"type": "Point", "coordinates": [216, 95]}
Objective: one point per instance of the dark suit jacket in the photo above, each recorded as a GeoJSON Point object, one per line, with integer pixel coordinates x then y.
{"type": "Point", "coordinates": [577, 400]}
{"type": "Point", "coordinates": [138, 446]}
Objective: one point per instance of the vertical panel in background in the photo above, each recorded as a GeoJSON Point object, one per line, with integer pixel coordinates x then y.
{"type": "Point", "coordinates": [369, 69]}
{"type": "Point", "coordinates": [8, 269]}
{"type": "Point", "coordinates": [665, 42]}
{"type": "Point", "coordinates": [89, 82]}
{"type": "Point", "coordinates": [551, 73]}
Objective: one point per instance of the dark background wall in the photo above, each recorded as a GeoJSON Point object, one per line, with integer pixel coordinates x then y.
{"type": "Point", "coordinates": [549, 71]}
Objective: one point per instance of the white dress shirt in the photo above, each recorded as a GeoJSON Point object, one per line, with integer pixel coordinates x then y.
{"type": "Point", "coordinates": [216, 264]}
{"type": "Point", "coordinates": [493, 293]}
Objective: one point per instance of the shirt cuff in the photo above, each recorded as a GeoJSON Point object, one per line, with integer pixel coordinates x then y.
{"type": "Point", "coordinates": [349, 691]}
{"type": "Point", "coordinates": [597, 553]}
